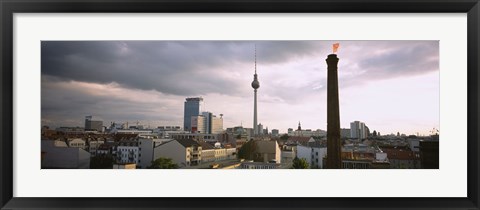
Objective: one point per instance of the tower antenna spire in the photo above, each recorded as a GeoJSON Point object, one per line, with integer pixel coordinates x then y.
{"type": "Point", "coordinates": [255, 58]}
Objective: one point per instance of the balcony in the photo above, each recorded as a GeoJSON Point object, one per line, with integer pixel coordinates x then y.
{"type": "Point", "coordinates": [195, 157]}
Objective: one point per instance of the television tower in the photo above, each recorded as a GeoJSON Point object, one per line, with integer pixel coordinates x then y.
{"type": "Point", "coordinates": [255, 86]}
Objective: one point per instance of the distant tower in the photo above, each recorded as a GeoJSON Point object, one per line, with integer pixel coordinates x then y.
{"type": "Point", "coordinates": [260, 129]}
{"type": "Point", "coordinates": [299, 126]}
{"type": "Point", "coordinates": [255, 86]}
{"type": "Point", "coordinates": [358, 130]}
{"type": "Point", "coordinates": [92, 124]}
{"type": "Point", "coordinates": [334, 159]}
{"type": "Point", "coordinates": [192, 108]}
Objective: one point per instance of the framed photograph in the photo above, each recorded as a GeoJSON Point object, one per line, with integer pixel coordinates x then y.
{"type": "Point", "coordinates": [218, 104]}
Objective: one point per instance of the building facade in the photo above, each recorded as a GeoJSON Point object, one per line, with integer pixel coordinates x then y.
{"type": "Point", "coordinates": [183, 152]}
{"type": "Point", "coordinates": [198, 124]}
{"type": "Point", "coordinates": [57, 155]}
{"type": "Point", "coordinates": [345, 133]}
{"type": "Point", "coordinates": [196, 136]}
{"type": "Point", "coordinates": [145, 147]}
{"type": "Point", "coordinates": [93, 125]}
{"type": "Point", "coordinates": [358, 130]}
{"type": "Point", "coordinates": [275, 132]}
{"type": "Point", "coordinates": [217, 124]}
{"type": "Point", "coordinates": [127, 154]}
{"type": "Point", "coordinates": [76, 142]}
{"type": "Point", "coordinates": [313, 155]}
{"type": "Point", "coordinates": [267, 152]}
{"type": "Point", "coordinates": [192, 108]}
{"type": "Point", "coordinates": [93, 146]}
{"type": "Point", "coordinates": [207, 123]}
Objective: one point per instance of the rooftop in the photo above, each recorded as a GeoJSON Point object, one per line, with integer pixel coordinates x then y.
{"type": "Point", "coordinates": [188, 142]}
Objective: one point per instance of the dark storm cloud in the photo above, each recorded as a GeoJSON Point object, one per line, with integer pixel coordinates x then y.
{"type": "Point", "coordinates": [282, 51]}
{"type": "Point", "coordinates": [200, 67]}
{"type": "Point", "coordinates": [290, 72]}
{"type": "Point", "coordinates": [178, 68]}
{"type": "Point", "coordinates": [66, 103]}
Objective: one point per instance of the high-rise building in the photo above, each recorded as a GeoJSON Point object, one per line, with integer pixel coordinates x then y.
{"type": "Point", "coordinates": [334, 158]}
{"type": "Point", "coordinates": [255, 86]}
{"type": "Point", "coordinates": [192, 108]}
{"type": "Point", "coordinates": [358, 130]}
{"type": "Point", "coordinates": [91, 124]}
{"type": "Point", "coordinates": [345, 133]}
{"type": "Point", "coordinates": [275, 132]}
{"type": "Point", "coordinates": [259, 129]}
{"type": "Point", "coordinates": [198, 124]}
{"type": "Point", "coordinates": [290, 131]}
{"type": "Point", "coordinates": [217, 124]}
{"type": "Point", "coordinates": [207, 123]}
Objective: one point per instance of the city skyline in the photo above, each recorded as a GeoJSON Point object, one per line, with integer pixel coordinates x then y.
{"type": "Point", "coordinates": [392, 86]}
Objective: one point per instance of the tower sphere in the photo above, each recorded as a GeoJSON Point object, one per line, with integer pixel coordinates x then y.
{"type": "Point", "coordinates": [255, 84]}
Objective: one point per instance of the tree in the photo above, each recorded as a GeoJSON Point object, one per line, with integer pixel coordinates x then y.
{"type": "Point", "coordinates": [163, 163]}
{"type": "Point", "coordinates": [101, 162]}
{"type": "Point", "coordinates": [300, 163]}
{"type": "Point", "coordinates": [247, 150]}
{"type": "Point", "coordinates": [284, 137]}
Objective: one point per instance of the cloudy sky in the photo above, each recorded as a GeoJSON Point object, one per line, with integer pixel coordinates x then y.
{"type": "Point", "coordinates": [392, 86]}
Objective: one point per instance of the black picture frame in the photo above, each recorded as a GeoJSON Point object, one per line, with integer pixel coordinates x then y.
{"type": "Point", "coordinates": [9, 7]}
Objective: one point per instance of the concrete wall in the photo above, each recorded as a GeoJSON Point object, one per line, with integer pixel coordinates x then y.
{"type": "Point", "coordinates": [172, 150]}
{"type": "Point", "coordinates": [145, 152]}
{"type": "Point", "coordinates": [268, 150]}
{"type": "Point", "coordinates": [304, 152]}
{"type": "Point", "coordinates": [64, 157]}
{"type": "Point", "coordinates": [288, 156]}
